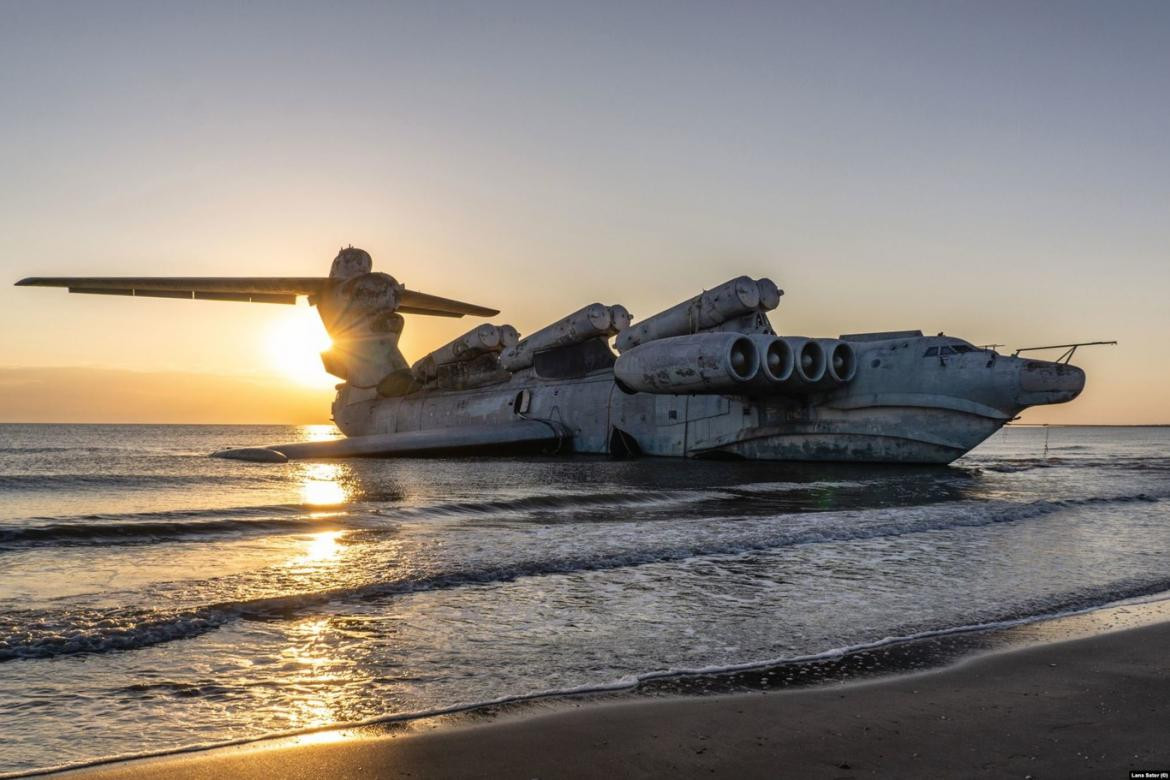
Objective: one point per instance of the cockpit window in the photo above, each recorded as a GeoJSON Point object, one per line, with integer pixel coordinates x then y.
{"type": "Point", "coordinates": [950, 349]}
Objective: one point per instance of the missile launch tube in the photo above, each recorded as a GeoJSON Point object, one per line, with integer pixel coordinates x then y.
{"type": "Point", "coordinates": [705, 363]}
{"type": "Point", "coordinates": [509, 336]}
{"type": "Point", "coordinates": [619, 317]}
{"type": "Point", "coordinates": [733, 298]}
{"type": "Point", "coordinates": [592, 321]}
{"type": "Point", "coordinates": [769, 294]}
{"type": "Point", "coordinates": [478, 340]}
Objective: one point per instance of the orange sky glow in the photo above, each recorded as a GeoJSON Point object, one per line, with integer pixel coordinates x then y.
{"type": "Point", "coordinates": [890, 166]}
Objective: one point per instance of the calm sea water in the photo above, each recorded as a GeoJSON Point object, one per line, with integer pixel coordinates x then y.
{"type": "Point", "coordinates": [152, 597]}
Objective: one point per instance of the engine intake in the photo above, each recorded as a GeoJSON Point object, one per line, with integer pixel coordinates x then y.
{"type": "Point", "coordinates": [817, 364]}
{"type": "Point", "coordinates": [840, 361]}
{"type": "Point", "coordinates": [777, 363]}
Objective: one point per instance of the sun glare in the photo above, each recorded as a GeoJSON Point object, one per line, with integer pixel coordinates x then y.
{"type": "Point", "coordinates": [294, 342]}
{"type": "Point", "coordinates": [321, 485]}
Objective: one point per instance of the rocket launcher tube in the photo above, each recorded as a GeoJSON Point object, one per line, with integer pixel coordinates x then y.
{"type": "Point", "coordinates": [478, 340]}
{"type": "Point", "coordinates": [509, 336]}
{"type": "Point", "coordinates": [733, 298]}
{"type": "Point", "coordinates": [475, 342]}
{"type": "Point", "coordinates": [590, 322]}
{"type": "Point", "coordinates": [769, 294]}
{"type": "Point", "coordinates": [619, 317]}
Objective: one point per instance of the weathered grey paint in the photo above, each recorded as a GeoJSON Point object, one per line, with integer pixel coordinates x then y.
{"type": "Point", "coordinates": [698, 363]}
{"type": "Point", "coordinates": [900, 407]}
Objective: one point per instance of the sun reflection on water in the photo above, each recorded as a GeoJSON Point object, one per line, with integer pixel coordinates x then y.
{"type": "Point", "coordinates": [321, 484]}
{"type": "Point", "coordinates": [322, 547]}
{"type": "Point", "coordinates": [319, 432]}
{"type": "Point", "coordinates": [309, 653]}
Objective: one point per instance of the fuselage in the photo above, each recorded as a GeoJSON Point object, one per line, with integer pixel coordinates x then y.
{"type": "Point", "coordinates": [914, 399]}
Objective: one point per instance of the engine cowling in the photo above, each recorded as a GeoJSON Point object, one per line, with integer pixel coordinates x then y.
{"type": "Point", "coordinates": [777, 363]}
{"type": "Point", "coordinates": [809, 360]}
{"type": "Point", "coordinates": [840, 361]}
{"type": "Point", "coordinates": [817, 364]}
{"type": "Point", "coordinates": [701, 363]}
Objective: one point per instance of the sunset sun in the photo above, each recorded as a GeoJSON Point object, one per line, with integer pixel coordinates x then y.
{"type": "Point", "coordinates": [293, 343]}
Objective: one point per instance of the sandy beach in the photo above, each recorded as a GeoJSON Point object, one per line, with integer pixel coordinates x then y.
{"type": "Point", "coordinates": [1095, 707]}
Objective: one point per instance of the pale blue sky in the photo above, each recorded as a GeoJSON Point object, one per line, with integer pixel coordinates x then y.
{"type": "Point", "coordinates": [997, 170]}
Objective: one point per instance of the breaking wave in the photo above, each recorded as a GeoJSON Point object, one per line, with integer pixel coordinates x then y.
{"type": "Point", "coordinates": [168, 525]}
{"type": "Point", "coordinates": [33, 634]}
{"type": "Point", "coordinates": [52, 482]}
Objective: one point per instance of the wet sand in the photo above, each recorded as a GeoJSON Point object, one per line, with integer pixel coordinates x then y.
{"type": "Point", "coordinates": [1095, 707]}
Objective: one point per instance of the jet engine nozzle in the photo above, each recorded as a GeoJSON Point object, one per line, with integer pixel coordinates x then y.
{"type": "Point", "coordinates": [840, 360]}
{"type": "Point", "coordinates": [777, 364]}
{"type": "Point", "coordinates": [810, 361]}
{"type": "Point", "coordinates": [776, 359]}
{"type": "Point", "coordinates": [797, 365]}
{"type": "Point", "coordinates": [700, 363]}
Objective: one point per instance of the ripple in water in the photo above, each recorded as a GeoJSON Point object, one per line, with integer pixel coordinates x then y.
{"type": "Point", "coordinates": [160, 598]}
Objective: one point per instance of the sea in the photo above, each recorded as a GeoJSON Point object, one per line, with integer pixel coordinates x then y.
{"type": "Point", "coordinates": [153, 598]}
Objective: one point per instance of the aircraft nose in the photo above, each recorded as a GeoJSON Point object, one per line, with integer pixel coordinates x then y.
{"type": "Point", "coordinates": [1042, 382]}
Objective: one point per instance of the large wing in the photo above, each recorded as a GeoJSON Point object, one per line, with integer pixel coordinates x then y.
{"type": "Point", "coordinates": [254, 289]}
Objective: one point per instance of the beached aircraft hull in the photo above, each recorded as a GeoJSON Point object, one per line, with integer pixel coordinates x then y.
{"type": "Point", "coordinates": [901, 407]}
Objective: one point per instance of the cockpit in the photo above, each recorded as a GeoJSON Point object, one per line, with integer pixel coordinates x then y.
{"type": "Point", "coordinates": [954, 348]}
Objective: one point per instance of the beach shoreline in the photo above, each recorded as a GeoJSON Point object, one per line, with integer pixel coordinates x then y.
{"type": "Point", "coordinates": [1083, 695]}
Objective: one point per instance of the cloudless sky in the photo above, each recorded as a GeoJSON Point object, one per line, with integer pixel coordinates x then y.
{"type": "Point", "coordinates": [1000, 171]}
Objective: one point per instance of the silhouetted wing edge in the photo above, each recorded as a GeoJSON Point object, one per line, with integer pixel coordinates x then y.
{"type": "Point", "coordinates": [254, 289]}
